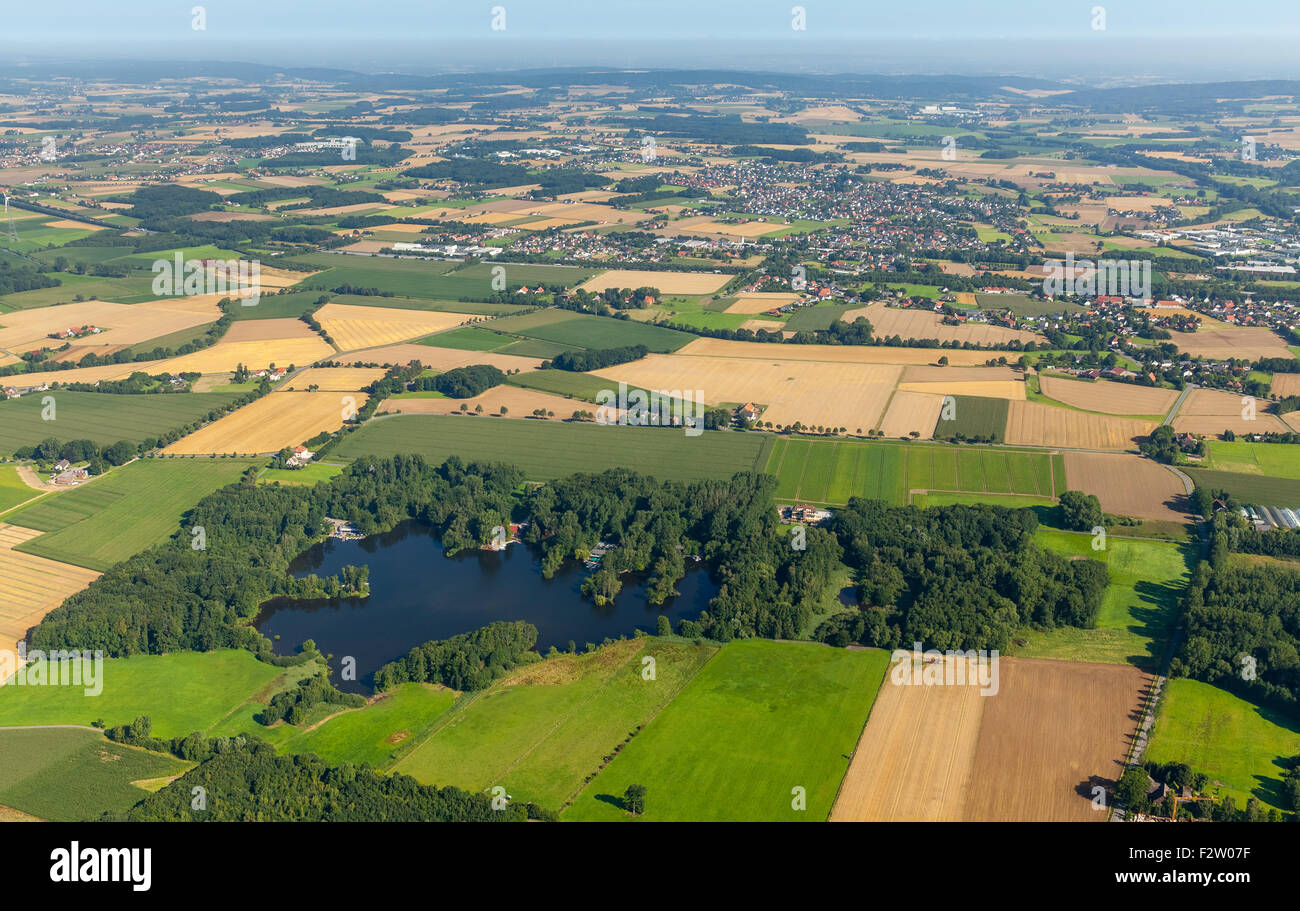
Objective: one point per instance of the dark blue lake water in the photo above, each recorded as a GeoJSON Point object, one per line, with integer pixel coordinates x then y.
{"type": "Point", "coordinates": [417, 594]}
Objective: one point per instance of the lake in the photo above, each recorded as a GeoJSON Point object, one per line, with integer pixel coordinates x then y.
{"type": "Point", "coordinates": [417, 594]}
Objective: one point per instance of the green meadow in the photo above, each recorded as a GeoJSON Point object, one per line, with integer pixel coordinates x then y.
{"type": "Point", "coordinates": [181, 692]}
{"type": "Point", "coordinates": [762, 720]}
{"type": "Point", "coordinates": [1137, 612]}
{"type": "Point", "coordinates": [553, 449]}
{"type": "Point", "coordinates": [101, 417]}
{"type": "Point", "coordinates": [543, 731]}
{"type": "Point", "coordinates": [1235, 742]}
{"type": "Point", "coordinates": [70, 775]}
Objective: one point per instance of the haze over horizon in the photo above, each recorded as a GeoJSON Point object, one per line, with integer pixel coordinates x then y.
{"type": "Point", "coordinates": [1158, 40]}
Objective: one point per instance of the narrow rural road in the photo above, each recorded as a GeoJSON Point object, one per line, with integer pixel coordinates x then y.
{"type": "Point", "coordinates": [1182, 397]}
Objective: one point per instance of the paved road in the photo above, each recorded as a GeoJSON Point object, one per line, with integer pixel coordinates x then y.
{"type": "Point", "coordinates": [1182, 397]}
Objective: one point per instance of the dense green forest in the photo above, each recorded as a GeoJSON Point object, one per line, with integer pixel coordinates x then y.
{"type": "Point", "coordinates": [961, 576]}
{"type": "Point", "coordinates": [956, 577]}
{"type": "Point", "coordinates": [249, 782]}
{"type": "Point", "coordinates": [1243, 621]}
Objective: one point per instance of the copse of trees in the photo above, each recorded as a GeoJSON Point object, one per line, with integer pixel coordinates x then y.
{"type": "Point", "coordinates": [963, 577]}
{"type": "Point", "coordinates": [470, 661]}
{"type": "Point", "coordinates": [256, 783]}
{"type": "Point", "coordinates": [466, 382]}
{"type": "Point", "coordinates": [594, 359]}
{"type": "Point", "coordinates": [1080, 511]}
{"type": "Point", "coordinates": [293, 705]}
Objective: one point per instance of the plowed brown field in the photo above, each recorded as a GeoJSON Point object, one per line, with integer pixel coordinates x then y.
{"type": "Point", "coordinates": [1108, 397]}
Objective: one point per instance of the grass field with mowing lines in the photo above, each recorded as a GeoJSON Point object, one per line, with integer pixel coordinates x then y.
{"type": "Point", "coordinates": [543, 730]}
{"type": "Point", "coordinates": [68, 775]}
{"type": "Point", "coordinates": [1258, 490]}
{"type": "Point", "coordinates": [101, 417]}
{"type": "Point", "coordinates": [132, 508]}
{"type": "Point", "coordinates": [181, 692]}
{"type": "Point", "coordinates": [831, 471]}
{"type": "Point", "coordinates": [760, 719]}
{"type": "Point", "coordinates": [308, 475]}
{"type": "Point", "coordinates": [1137, 611]}
{"type": "Point", "coordinates": [975, 416]}
{"type": "Point", "coordinates": [1278, 460]}
{"type": "Point", "coordinates": [1233, 741]}
{"type": "Point", "coordinates": [552, 449]}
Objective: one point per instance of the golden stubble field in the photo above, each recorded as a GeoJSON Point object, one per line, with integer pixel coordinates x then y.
{"type": "Point", "coordinates": [27, 330]}
{"type": "Point", "coordinates": [519, 403]}
{"type": "Point", "coordinates": [1107, 396]}
{"type": "Point", "coordinates": [31, 586]}
{"type": "Point", "coordinates": [666, 282]}
{"type": "Point", "coordinates": [810, 392]}
{"type": "Point", "coordinates": [1031, 752]}
{"type": "Point", "coordinates": [835, 354]}
{"type": "Point", "coordinates": [354, 327]}
{"type": "Point", "coordinates": [1035, 424]}
{"type": "Point", "coordinates": [333, 379]}
{"type": "Point", "coordinates": [271, 423]}
{"type": "Point", "coordinates": [1212, 411]}
{"type": "Point", "coordinates": [908, 323]}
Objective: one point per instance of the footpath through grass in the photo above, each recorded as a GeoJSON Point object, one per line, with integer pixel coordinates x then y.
{"type": "Point", "coordinates": [544, 730]}
{"type": "Point", "coordinates": [762, 719]}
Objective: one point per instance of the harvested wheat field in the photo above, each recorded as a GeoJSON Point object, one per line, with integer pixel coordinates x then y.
{"type": "Point", "coordinates": [1055, 730]}
{"type": "Point", "coordinates": [265, 330]}
{"type": "Point", "coordinates": [769, 325]}
{"type": "Point", "coordinates": [1107, 396]}
{"type": "Point", "coordinates": [1210, 411]}
{"type": "Point", "coordinates": [989, 389]}
{"type": "Point", "coordinates": [1217, 340]}
{"type": "Point", "coordinates": [911, 411]}
{"type": "Point", "coordinates": [31, 586]}
{"type": "Point", "coordinates": [272, 423]}
{"type": "Point", "coordinates": [812, 393]}
{"type": "Point", "coordinates": [1285, 384]}
{"type": "Point", "coordinates": [1129, 485]}
{"type": "Point", "coordinates": [833, 354]}
{"type": "Point", "coordinates": [914, 760]}
{"type": "Point", "coordinates": [888, 321]}
{"type": "Point", "coordinates": [226, 355]}
{"type": "Point", "coordinates": [666, 282]}
{"type": "Point", "coordinates": [354, 327]}
{"type": "Point", "coordinates": [1032, 751]}
{"type": "Point", "coordinates": [760, 302]}
{"type": "Point", "coordinates": [445, 358]}
{"type": "Point", "coordinates": [519, 403]}
{"type": "Point", "coordinates": [1034, 424]}
{"type": "Point", "coordinates": [334, 379]}
{"type": "Point", "coordinates": [27, 330]}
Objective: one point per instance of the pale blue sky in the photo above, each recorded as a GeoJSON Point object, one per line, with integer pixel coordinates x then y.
{"type": "Point", "coordinates": [1254, 36]}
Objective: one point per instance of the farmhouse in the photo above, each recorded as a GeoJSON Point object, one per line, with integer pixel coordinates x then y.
{"type": "Point", "coordinates": [71, 476]}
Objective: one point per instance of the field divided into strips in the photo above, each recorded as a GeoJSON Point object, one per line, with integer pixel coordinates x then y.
{"type": "Point", "coordinates": [551, 449]}
{"type": "Point", "coordinates": [832, 471]}
{"type": "Point", "coordinates": [1237, 743]}
{"type": "Point", "coordinates": [761, 719]}
{"type": "Point", "coordinates": [71, 775]}
{"type": "Point", "coordinates": [31, 586]}
{"type": "Point", "coordinates": [130, 509]}
{"type": "Point", "coordinates": [543, 730]}
{"type": "Point", "coordinates": [1147, 579]}
{"type": "Point", "coordinates": [1031, 751]}
{"type": "Point", "coordinates": [100, 417]}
